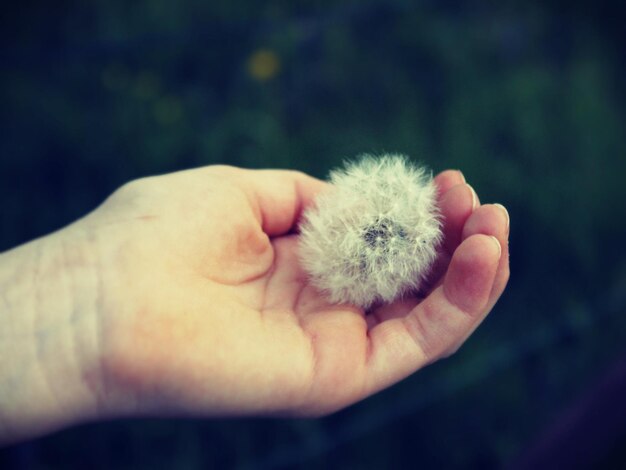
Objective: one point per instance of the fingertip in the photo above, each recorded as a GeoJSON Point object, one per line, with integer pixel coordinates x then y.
{"type": "Point", "coordinates": [497, 243]}
{"type": "Point", "coordinates": [505, 214]}
{"type": "Point", "coordinates": [456, 207]}
{"type": "Point", "coordinates": [493, 220]}
{"type": "Point", "coordinates": [475, 201]}
{"type": "Point", "coordinates": [308, 187]}
{"type": "Point", "coordinates": [447, 179]}
{"type": "Point", "coordinates": [281, 196]}
{"type": "Point", "coordinates": [472, 272]}
{"type": "Point", "coordinates": [489, 219]}
{"type": "Point", "coordinates": [478, 251]}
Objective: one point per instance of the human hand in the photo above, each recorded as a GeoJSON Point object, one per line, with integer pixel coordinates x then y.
{"type": "Point", "coordinates": [202, 307]}
{"type": "Point", "coordinates": [214, 315]}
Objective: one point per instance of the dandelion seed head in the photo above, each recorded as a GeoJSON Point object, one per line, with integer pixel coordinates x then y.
{"type": "Point", "coordinates": [374, 234]}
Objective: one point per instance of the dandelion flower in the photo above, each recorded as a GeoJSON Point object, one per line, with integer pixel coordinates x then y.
{"type": "Point", "coordinates": [374, 234]}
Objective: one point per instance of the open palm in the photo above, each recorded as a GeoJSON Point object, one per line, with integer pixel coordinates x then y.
{"type": "Point", "coordinates": [208, 311]}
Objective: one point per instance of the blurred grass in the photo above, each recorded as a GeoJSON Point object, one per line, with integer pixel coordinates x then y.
{"type": "Point", "coordinates": [526, 98]}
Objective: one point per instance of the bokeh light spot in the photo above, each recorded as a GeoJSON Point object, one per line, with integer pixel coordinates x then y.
{"type": "Point", "coordinates": [263, 64]}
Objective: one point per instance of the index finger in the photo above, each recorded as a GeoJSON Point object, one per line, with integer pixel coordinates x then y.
{"type": "Point", "coordinates": [279, 197]}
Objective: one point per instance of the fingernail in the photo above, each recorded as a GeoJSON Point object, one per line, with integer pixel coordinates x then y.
{"type": "Point", "coordinates": [461, 175]}
{"type": "Point", "coordinates": [498, 245]}
{"type": "Point", "coordinates": [474, 197]}
{"type": "Point", "coordinates": [506, 214]}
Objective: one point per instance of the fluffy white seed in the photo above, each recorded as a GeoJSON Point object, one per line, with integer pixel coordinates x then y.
{"type": "Point", "coordinates": [374, 234]}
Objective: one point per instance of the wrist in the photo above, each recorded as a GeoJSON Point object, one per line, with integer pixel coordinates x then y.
{"type": "Point", "coordinates": [49, 346]}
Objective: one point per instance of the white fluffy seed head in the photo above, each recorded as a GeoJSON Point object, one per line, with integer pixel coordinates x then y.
{"type": "Point", "coordinates": [374, 234]}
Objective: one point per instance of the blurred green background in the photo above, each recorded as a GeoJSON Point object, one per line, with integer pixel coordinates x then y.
{"type": "Point", "coordinates": [527, 98]}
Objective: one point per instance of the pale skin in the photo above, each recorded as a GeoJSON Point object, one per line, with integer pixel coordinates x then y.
{"type": "Point", "coordinates": [182, 295]}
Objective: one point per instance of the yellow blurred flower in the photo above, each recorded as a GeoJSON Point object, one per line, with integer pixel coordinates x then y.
{"type": "Point", "coordinates": [263, 64]}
